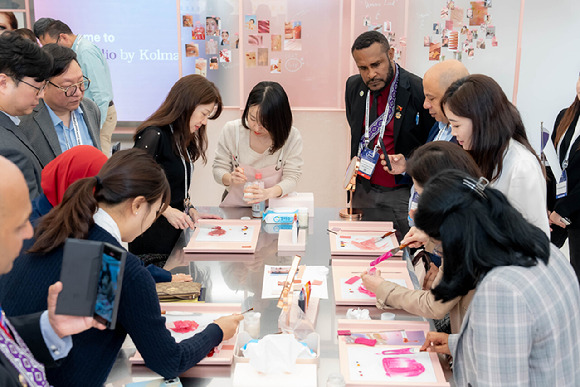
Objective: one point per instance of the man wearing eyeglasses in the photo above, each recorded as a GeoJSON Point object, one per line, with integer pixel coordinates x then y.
{"type": "Point", "coordinates": [94, 67]}
{"type": "Point", "coordinates": [24, 68]}
{"type": "Point", "coordinates": [63, 118]}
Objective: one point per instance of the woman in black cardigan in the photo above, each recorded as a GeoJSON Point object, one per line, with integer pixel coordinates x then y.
{"type": "Point", "coordinates": [565, 211]}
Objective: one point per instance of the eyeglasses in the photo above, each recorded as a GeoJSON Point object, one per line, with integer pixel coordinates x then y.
{"type": "Point", "coordinates": [38, 89]}
{"type": "Point", "coordinates": [72, 89]}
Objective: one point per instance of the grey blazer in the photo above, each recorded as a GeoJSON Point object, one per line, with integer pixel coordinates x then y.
{"type": "Point", "coordinates": [39, 129]}
{"type": "Point", "coordinates": [14, 145]}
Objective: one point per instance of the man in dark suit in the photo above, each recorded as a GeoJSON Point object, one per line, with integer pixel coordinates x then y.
{"type": "Point", "coordinates": [24, 68]}
{"type": "Point", "coordinates": [397, 123]}
{"type": "Point", "coordinates": [45, 334]}
{"type": "Point", "coordinates": [64, 118]}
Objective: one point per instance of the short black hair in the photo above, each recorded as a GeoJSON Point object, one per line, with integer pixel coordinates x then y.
{"type": "Point", "coordinates": [56, 28]}
{"type": "Point", "coordinates": [40, 25]}
{"type": "Point", "coordinates": [274, 111]}
{"type": "Point", "coordinates": [20, 58]}
{"type": "Point", "coordinates": [366, 39]}
{"type": "Point", "coordinates": [478, 230]}
{"type": "Point", "coordinates": [62, 58]}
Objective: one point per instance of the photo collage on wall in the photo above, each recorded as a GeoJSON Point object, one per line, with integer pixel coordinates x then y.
{"type": "Point", "coordinates": [461, 32]}
{"type": "Point", "coordinates": [265, 43]}
{"type": "Point", "coordinates": [386, 28]}
{"type": "Point", "coordinates": [210, 42]}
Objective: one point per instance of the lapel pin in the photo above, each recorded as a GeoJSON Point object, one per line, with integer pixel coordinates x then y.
{"type": "Point", "coordinates": [362, 93]}
{"type": "Point", "coordinates": [398, 115]}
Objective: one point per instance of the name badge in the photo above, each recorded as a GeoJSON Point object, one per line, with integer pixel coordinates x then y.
{"type": "Point", "coordinates": [368, 162]}
{"type": "Point", "coordinates": [562, 186]}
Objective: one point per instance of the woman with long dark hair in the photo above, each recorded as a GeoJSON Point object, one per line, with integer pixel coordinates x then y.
{"type": "Point", "coordinates": [425, 162]}
{"type": "Point", "coordinates": [523, 324]}
{"type": "Point", "coordinates": [565, 211]}
{"type": "Point", "coordinates": [262, 141]}
{"type": "Point", "coordinates": [175, 135]}
{"type": "Point", "coordinates": [115, 206]}
{"type": "Point", "coordinates": [490, 128]}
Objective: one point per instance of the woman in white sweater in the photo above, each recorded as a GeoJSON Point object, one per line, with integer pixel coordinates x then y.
{"type": "Point", "coordinates": [262, 142]}
{"type": "Point", "coordinates": [490, 128]}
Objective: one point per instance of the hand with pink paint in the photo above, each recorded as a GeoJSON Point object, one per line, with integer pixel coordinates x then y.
{"type": "Point", "coordinates": [372, 281]}
{"type": "Point", "coordinates": [436, 342]}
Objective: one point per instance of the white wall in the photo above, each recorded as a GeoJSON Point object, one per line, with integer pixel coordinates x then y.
{"type": "Point", "coordinates": [550, 62]}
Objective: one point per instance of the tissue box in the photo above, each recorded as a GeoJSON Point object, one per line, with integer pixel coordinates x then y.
{"type": "Point", "coordinates": [280, 215]}
{"type": "Point", "coordinates": [312, 340]}
{"type": "Point", "coordinates": [295, 200]}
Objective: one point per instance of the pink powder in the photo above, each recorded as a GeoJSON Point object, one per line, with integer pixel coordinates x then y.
{"type": "Point", "coordinates": [217, 231]}
{"type": "Point", "coordinates": [402, 366]}
{"type": "Point", "coordinates": [369, 244]}
{"type": "Point", "coordinates": [352, 280]}
{"type": "Point", "coordinates": [364, 290]}
{"type": "Point", "coordinates": [184, 326]}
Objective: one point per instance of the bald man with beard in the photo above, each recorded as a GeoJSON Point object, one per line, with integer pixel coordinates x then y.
{"type": "Point", "coordinates": [435, 82]}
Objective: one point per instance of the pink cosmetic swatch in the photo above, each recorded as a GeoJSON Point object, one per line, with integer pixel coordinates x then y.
{"type": "Point", "coordinates": [364, 290]}
{"type": "Point", "coordinates": [352, 280]}
{"type": "Point", "coordinates": [402, 366]}
{"type": "Point", "coordinates": [184, 326]}
{"type": "Point", "coordinates": [380, 259]}
{"type": "Point", "coordinates": [400, 351]}
{"type": "Point", "coordinates": [367, 342]}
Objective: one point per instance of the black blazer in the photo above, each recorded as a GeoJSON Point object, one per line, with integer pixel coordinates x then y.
{"type": "Point", "coordinates": [568, 206]}
{"type": "Point", "coordinates": [28, 327]}
{"type": "Point", "coordinates": [407, 134]}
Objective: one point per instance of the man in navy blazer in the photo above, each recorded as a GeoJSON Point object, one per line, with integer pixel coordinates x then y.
{"type": "Point", "coordinates": [64, 118]}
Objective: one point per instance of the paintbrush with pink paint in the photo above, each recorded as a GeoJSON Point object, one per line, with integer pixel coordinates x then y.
{"type": "Point", "coordinates": [388, 254]}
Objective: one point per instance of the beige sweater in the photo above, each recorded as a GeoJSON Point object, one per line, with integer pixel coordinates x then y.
{"type": "Point", "coordinates": [226, 148]}
{"type": "Point", "coordinates": [423, 303]}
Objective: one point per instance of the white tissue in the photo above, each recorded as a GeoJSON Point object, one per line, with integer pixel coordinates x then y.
{"type": "Point", "coordinates": [358, 314]}
{"type": "Point", "coordinates": [275, 354]}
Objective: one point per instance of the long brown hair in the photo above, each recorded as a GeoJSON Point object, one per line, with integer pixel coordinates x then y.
{"type": "Point", "coordinates": [495, 121]}
{"type": "Point", "coordinates": [186, 94]}
{"type": "Point", "coordinates": [566, 120]}
{"type": "Point", "coordinates": [126, 175]}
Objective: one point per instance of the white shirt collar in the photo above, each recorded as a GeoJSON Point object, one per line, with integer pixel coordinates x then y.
{"type": "Point", "coordinates": [104, 220]}
{"type": "Point", "coordinates": [14, 119]}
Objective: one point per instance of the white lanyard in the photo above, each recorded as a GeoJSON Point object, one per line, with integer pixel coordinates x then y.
{"type": "Point", "coordinates": [187, 176]}
{"type": "Point", "coordinates": [572, 141]}
{"type": "Point", "coordinates": [76, 131]}
{"type": "Point", "coordinates": [367, 128]}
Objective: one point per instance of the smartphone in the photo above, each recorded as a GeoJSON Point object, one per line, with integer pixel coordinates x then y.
{"type": "Point", "coordinates": [109, 285]}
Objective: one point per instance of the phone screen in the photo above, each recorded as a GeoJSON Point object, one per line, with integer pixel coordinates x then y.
{"type": "Point", "coordinates": [107, 288]}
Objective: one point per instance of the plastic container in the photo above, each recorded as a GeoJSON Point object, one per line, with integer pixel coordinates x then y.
{"type": "Point", "coordinates": [303, 217]}
{"type": "Point", "coordinates": [258, 208]}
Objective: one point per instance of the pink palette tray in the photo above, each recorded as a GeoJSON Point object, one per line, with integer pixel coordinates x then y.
{"type": "Point", "coordinates": [225, 236]}
{"type": "Point", "coordinates": [347, 286]}
{"type": "Point", "coordinates": [388, 365]}
{"type": "Point", "coordinates": [182, 311]}
{"type": "Point", "coordinates": [358, 238]}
